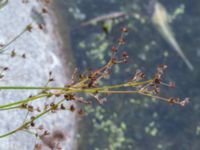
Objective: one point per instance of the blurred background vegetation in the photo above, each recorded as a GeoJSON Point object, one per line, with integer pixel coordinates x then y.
{"type": "Point", "coordinates": [127, 122]}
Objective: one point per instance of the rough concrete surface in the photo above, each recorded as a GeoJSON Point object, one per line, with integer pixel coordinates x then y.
{"type": "Point", "coordinates": [43, 51]}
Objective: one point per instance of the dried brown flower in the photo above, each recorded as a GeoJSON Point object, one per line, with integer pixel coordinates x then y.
{"type": "Point", "coordinates": [29, 27]}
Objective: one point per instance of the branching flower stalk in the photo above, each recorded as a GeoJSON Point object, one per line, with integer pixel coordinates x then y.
{"type": "Point", "coordinates": [27, 28]}
{"type": "Point", "coordinates": [70, 90]}
{"type": "Point", "coordinates": [87, 85]}
{"type": "Point", "coordinates": [27, 123]}
{"type": "Point", "coordinates": [3, 48]}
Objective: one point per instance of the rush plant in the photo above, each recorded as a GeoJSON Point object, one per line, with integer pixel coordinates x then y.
{"type": "Point", "coordinates": [84, 87]}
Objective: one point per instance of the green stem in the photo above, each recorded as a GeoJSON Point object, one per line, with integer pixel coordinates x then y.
{"type": "Point", "coordinates": [64, 88]}
{"type": "Point", "coordinates": [9, 108]}
{"type": "Point", "coordinates": [154, 96]}
{"type": "Point", "coordinates": [28, 122]}
{"type": "Point", "coordinates": [2, 4]}
{"type": "Point", "coordinates": [24, 101]}
{"type": "Point", "coordinates": [30, 88]}
{"type": "Point", "coordinates": [13, 40]}
{"type": "Point", "coordinates": [104, 89]}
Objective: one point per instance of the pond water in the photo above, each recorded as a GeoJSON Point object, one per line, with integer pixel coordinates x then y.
{"type": "Point", "coordinates": [130, 121]}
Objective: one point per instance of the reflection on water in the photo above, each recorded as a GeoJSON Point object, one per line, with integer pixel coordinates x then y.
{"type": "Point", "coordinates": [129, 121]}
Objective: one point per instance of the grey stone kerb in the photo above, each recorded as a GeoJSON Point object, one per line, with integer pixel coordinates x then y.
{"type": "Point", "coordinates": [43, 49]}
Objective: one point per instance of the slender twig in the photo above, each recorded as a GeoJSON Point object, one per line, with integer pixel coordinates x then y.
{"type": "Point", "coordinates": [31, 88]}
{"type": "Point", "coordinates": [61, 90]}
{"type": "Point", "coordinates": [23, 126]}
{"type": "Point", "coordinates": [24, 101]}
{"type": "Point", "coordinates": [14, 39]}
{"type": "Point", "coordinates": [64, 88]}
